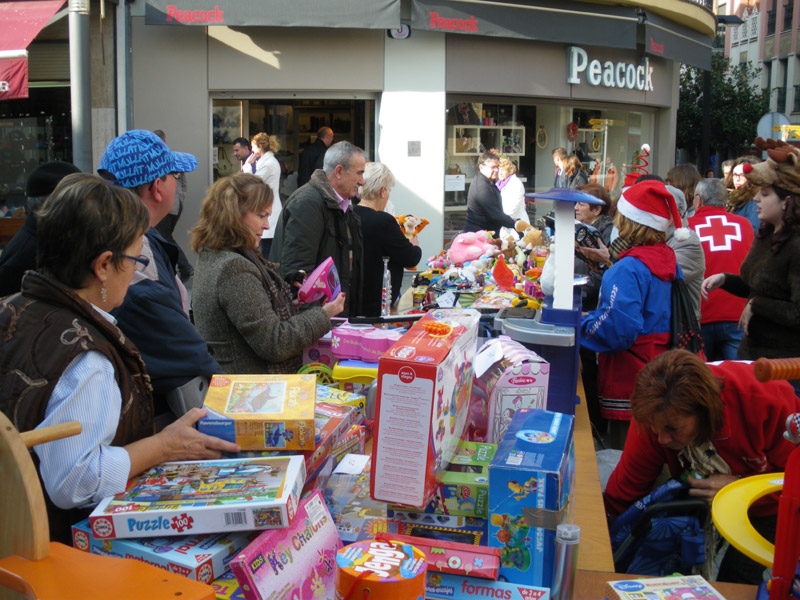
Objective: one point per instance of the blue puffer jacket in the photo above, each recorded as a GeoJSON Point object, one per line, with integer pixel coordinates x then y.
{"type": "Point", "coordinates": [152, 317]}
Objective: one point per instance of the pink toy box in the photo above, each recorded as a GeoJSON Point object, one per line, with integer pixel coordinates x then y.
{"type": "Point", "coordinates": [512, 377]}
{"type": "Point", "coordinates": [424, 384]}
{"type": "Point", "coordinates": [362, 342]}
{"type": "Point", "coordinates": [201, 557]}
{"type": "Point", "coordinates": [296, 562]}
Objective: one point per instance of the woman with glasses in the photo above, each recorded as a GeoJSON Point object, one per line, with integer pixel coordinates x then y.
{"type": "Point", "coordinates": [741, 199]}
{"type": "Point", "coordinates": [63, 358]}
{"type": "Point", "coordinates": [242, 306]}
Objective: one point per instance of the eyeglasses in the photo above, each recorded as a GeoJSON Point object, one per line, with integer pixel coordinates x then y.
{"type": "Point", "coordinates": [738, 174]}
{"type": "Point", "coordinates": [141, 261]}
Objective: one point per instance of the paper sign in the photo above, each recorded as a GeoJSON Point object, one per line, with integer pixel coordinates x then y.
{"type": "Point", "coordinates": [455, 183]}
{"type": "Point", "coordinates": [352, 464]}
{"type": "Point", "coordinates": [446, 300]}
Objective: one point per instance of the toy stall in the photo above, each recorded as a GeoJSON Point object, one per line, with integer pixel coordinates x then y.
{"type": "Point", "coordinates": [432, 454]}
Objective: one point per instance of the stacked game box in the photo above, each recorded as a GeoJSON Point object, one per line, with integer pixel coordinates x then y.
{"type": "Point", "coordinates": [262, 412]}
{"type": "Point", "coordinates": [210, 496]}
{"type": "Point", "coordinates": [530, 493]}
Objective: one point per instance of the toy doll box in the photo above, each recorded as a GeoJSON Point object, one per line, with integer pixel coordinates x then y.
{"type": "Point", "coordinates": [515, 377]}
{"type": "Point", "coordinates": [464, 489]}
{"type": "Point", "coordinates": [202, 557]}
{"type": "Point", "coordinates": [424, 383]}
{"type": "Point", "coordinates": [295, 562]}
{"type": "Point", "coordinates": [262, 412]}
{"type": "Point", "coordinates": [203, 497]}
{"type": "Point", "coordinates": [530, 492]}
{"type": "Point", "coordinates": [690, 586]}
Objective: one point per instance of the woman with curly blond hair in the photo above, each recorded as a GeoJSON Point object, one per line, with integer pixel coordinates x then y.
{"type": "Point", "coordinates": [263, 163]}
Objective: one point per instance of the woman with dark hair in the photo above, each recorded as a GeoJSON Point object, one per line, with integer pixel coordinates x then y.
{"type": "Point", "coordinates": [63, 358]}
{"type": "Point", "coordinates": [713, 422]}
{"type": "Point", "coordinates": [741, 197]}
{"type": "Point", "coordinates": [242, 306]}
{"type": "Point", "coordinates": [770, 275]}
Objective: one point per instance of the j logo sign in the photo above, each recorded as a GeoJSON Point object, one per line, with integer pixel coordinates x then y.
{"type": "Point", "coordinates": [609, 74]}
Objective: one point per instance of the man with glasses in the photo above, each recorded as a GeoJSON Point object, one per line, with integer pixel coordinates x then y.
{"type": "Point", "coordinates": [484, 203]}
{"type": "Point", "coordinates": [155, 312]}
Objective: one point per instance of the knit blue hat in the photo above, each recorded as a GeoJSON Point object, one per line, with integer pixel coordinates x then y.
{"type": "Point", "coordinates": [139, 156]}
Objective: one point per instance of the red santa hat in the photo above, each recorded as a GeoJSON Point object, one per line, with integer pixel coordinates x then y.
{"type": "Point", "coordinates": [640, 168]}
{"type": "Point", "coordinates": [650, 203]}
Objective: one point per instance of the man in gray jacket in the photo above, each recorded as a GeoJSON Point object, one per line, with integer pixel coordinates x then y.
{"type": "Point", "coordinates": [318, 221]}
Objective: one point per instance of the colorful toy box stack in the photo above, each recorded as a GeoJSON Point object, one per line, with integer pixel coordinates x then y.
{"type": "Point", "coordinates": [380, 570]}
{"type": "Point", "coordinates": [464, 488]}
{"type": "Point", "coordinates": [262, 412]}
{"type": "Point", "coordinates": [424, 384]}
{"type": "Point", "coordinates": [202, 557]}
{"type": "Point", "coordinates": [294, 562]}
{"type": "Point", "coordinates": [444, 586]}
{"type": "Point", "coordinates": [355, 376]}
{"type": "Point", "coordinates": [512, 377]}
{"type": "Point", "coordinates": [530, 493]}
{"type": "Point", "coordinates": [336, 396]}
{"type": "Point", "coordinates": [356, 515]}
{"type": "Point", "coordinates": [210, 496]}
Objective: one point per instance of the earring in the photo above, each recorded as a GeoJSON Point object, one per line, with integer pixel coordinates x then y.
{"type": "Point", "coordinates": [103, 292]}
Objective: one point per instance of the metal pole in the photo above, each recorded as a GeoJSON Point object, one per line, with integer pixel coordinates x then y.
{"type": "Point", "coordinates": [80, 85]}
{"type": "Point", "coordinates": [123, 68]}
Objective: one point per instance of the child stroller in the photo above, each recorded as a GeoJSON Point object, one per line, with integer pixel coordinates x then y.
{"type": "Point", "coordinates": [661, 534]}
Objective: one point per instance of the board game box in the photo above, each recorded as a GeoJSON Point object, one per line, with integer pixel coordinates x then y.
{"type": "Point", "coordinates": [460, 587]}
{"type": "Point", "coordinates": [211, 496]}
{"type": "Point", "coordinates": [334, 395]}
{"type": "Point", "coordinates": [294, 562]}
{"type": "Point", "coordinates": [227, 588]}
{"type": "Point", "coordinates": [662, 588]}
{"type": "Point", "coordinates": [203, 557]}
{"type": "Point", "coordinates": [262, 412]}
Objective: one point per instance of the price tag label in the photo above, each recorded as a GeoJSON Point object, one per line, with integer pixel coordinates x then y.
{"type": "Point", "coordinates": [446, 300]}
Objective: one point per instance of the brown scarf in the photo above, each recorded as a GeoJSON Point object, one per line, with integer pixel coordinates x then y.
{"type": "Point", "coordinates": [739, 197]}
{"type": "Point", "coordinates": [277, 289]}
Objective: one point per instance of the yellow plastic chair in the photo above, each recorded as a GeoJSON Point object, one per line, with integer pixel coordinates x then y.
{"type": "Point", "coordinates": [31, 566]}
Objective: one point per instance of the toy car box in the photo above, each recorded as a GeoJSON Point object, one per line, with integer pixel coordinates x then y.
{"type": "Point", "coordinates": [514, 377]}
{"type": "Point", "coordinates": [530, 494]}
{"type": "Point", "coordinates": [464, 489]}
{"type": "Point", "coordinates": [202, 557]}
{"type": "Point", "coordinates": [262, 412]}
{"type": "Point", "coordinates": [295, 562]}
{"type": "Point", "coordinates": [209, 496]}
{"type": "Point", "coordinates": [424, 384]}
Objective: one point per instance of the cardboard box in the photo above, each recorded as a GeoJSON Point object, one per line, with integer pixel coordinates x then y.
{"type": "Point", "coordinates": [464, 488]}
{"type": "Point", "coordinates": [530, 494]}
{"type": "Point", "coordinates": [200, 557]}
{"type": "Point", "coordinates": [296, 562]}
{"type": "Point", "coordinates": [460, 587]}
{"type": "Point", "coordinates": [355, 376]}
{"type": "Point", "coordinates": [514, 377]}
{"type": "Point", "coordinates": [334, 395]}
{"type": "Point", "coordinates": [319, 352]}
{"type": "Point", "coordinates": [662, 588]}
{"type": "Point", "coordinates": [227, 588]}
{"type": "Point", "coordinates": [424, 385]}
{"type": "Point", "coordinates": [262, 412]}
{"type": "Point", "coordinates": [210, 496]}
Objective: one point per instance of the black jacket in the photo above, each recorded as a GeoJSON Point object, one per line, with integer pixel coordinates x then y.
{"type": "Point", "coordinates": [18, 256]}
{"type": "Point", "coordinates": [310, 160]}
{"type": "Point", "coordinates": [485, 206]}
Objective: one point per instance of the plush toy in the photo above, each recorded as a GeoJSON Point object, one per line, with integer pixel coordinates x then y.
{"type": "Point", "coordinates": [411, 225]}
{"type": "Point", "coordinates": [439, 261]}
{"type": "Point", "coordinates": [470, 246]}
{"type": "Point", "coordinates": [531, 236]}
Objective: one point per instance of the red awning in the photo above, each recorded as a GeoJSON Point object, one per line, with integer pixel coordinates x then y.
{"type": "Point", "coordinates": [20, 22]}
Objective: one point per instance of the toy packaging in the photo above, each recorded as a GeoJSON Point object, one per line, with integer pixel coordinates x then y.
{"type": "Point", "coordinates": [530, 494]}
{"type": "Point", "coordinates": [663, 588]}
{"type": "Point", "coordinates": [380, 570]}
{"type": "Point", "coordinates": [336, 396]}
{"type": "Point", "coordinates": [227, 588]}
{"type": "Point", "coordinates": [357, 516]}
{"type": "Point", "coordinates": [458, 587]}
{"type": "Point", "coordinates": [464, 489]}
{"type": "Point", "coordinates": [322, 283]}
{"type": "Point", "coordinates": [202, 557]}
{"type": "Point", "coordinates": [355, 376]}
{"type": "Point", "coordinates": [452, 557]}
{"type": "Point", "coordinates": [210, 496]}
{"type": "Point", "coordinates": [262, 412]}
{"type": "Point", "coordinates": [353, 442]}
{"type": "Point", "coordinates": [424, 384]}
{"type": "Point", "coordinates": [295, 562]}
{"type": "Point", "coordinates": [514, 377]}
{"type": "Point", "coordinates": [362, 342]}
{"type": "Point", "coordinates": [319, 352]}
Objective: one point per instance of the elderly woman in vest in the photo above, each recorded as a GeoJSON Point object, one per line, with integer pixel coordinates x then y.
{"type": "Point", "coordinates": [242, 306]}
{"type": "Point", "coordinates": [63, 359]}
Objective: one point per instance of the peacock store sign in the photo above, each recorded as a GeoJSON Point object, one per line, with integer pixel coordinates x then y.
{"type": "Point", "coordinates": [608, 73]}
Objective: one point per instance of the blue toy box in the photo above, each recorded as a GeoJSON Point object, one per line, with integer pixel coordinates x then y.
{"type": "Point", "coordinates": [530, 493]}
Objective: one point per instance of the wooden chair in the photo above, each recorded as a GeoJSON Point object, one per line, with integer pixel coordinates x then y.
{"type": "Point", "coordinates": [36, 568]}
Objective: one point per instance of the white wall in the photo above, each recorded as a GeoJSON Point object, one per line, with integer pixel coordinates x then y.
{"type": "Point", "coordinates": [412, 109]}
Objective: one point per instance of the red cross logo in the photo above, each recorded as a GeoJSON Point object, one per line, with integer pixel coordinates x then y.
{"type": "Point", "coordinates": [718, 233]}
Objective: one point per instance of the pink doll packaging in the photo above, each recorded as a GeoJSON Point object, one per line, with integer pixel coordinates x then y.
{"type": "Point", "coordinates": [512, 377]}
{"type": "Point", "coordinates": [295, 562]}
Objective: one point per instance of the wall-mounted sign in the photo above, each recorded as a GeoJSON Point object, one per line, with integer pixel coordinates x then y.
{"type": "Point", "coordinates": [608, 73]}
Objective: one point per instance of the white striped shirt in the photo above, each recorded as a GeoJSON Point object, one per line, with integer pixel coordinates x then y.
{"type": "Point", "coordinates": [84, 468]}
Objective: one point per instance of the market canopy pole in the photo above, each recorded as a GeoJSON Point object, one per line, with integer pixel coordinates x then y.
{"type": "Point", "coordinates": [80, 85]}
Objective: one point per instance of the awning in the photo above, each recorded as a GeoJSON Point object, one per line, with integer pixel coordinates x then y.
{"type": "Point", "coordinates": [20, 22]}
{"type": "Point", "coordinates": [671, 40]}
{"type": "Point", "coordinates": [550, 20]}
{"type": "Point", "coordinates": [356, 14]}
